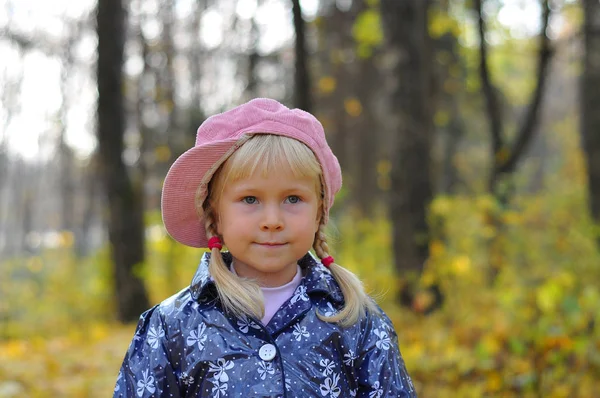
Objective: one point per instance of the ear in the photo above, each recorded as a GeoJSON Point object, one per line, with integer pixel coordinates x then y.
{"type": "Point", "coordinates": [215, 217]}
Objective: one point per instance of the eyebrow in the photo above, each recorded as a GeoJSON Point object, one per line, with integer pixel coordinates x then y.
{"type": "Point", "coordinates": [287, 190]}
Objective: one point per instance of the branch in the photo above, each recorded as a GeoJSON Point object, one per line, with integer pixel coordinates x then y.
{"type": "Point", "coordinates": [493, 109]}
{"type": "Point", "coordinates": [301, 73]}
{"type": "Point", "coordinates": [531, 119]}
{"type": "Point", "coordinates": [38, 40]}
{"type": "Point", "coordinates": [25, 42]}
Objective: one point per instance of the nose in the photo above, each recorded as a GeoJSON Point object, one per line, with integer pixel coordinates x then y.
{"type": "Point", "coordinates": [272, 219]}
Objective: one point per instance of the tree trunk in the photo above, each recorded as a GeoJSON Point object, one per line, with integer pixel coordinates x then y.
{"type": "Point", "coordinates": [505, 156]}
{"type": "Point", "coordinates": [301, 75]}
{"type": "Point", "coordinates": [125, 228]}
{"type": "Point", "coordinates": [176, 137]}
{"type": "Point", "coordinates": [405, 24]}
{"type": "Point", "coordinates": [590, 103]}
{"type": "Point", "coordinates": [196, 117]}
{"type": "Point", "coordinates": [67, 164]}
{"type": "Point", "coordinates": [252, 85]}
{"type": "Point", "coordinates": [367, 193]}
{"type": "Point", "coordinates": [448, 87]}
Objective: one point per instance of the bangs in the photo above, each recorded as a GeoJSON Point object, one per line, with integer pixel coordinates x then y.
{"type": "Point", "coordinates": [265, 153]}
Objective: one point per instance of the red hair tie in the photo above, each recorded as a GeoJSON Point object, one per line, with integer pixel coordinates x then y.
{"type": "Point", "coordinates": [327, 261]}
{"type": "Point", "coordinates": [215, 242]}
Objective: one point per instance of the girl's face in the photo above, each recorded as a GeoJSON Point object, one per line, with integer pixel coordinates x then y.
{"type": "Point", "coordinates": [268, 223]}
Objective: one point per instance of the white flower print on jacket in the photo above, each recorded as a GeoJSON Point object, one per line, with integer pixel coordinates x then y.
{"type": "Point", "coordinates": [349, 358]}
{"type": "Point", "coordinates": [299, 294]}
{"type": "Point", "coordinates": [377, 391]}
{"type": "Point", "coordinates": [243, 324]}
{"type": "Point", "coordinates": [219, 369]}
{"type": "Point", "coordinates": [384, 341]}
{"type": "Point", "coordinates": [197, 336]}
{"type": "Point", "coordinates": [154, 335]}
{"type": "Point", "coordinates": [146, 383]}
{"type": "Point", "coordinates": [265, 368]}
{"type": "Point", "coordinates": [300, 331]}
{"type": "Point", "coordinates": [200, 349]}
{"type": "Point", "coordinates": [118, 387]}
{"type": "Point", "coordinates": [186, 379]}
{"type": "Point", "coordinates": [328, 366]}
{"type": "Point", "coordinates": [330, 311]}
{"type": "Point", "coordinates": [330, 386]}
{"type": "Point", "coordinates": [219, 389]}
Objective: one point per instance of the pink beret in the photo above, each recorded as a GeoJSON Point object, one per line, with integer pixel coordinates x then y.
{"type": "Point", "coordinates": [217, 138]}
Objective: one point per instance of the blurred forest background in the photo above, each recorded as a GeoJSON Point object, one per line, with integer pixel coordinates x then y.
{"type": "Point", "coordinates": [469, 136]}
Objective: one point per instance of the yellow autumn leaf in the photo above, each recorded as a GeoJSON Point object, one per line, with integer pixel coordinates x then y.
{"type": "Point", "coordinates": [461, 265]}
{"type": "Point", "coordinates": [511, 217]}
{"type": "Point", "coordinates": [162, 153]}
{"type": "Point", "coordinates": [548, 295]}
{"type": "Point", "coordinates": [441, 206]}
{"type": "Point", "coordinates": [353, 107]}
{"type": "Point", "coordinates": [436, 248]}
{"type": "Point", "coordinates": [367, 28]}
{"type": "Point", "coordinates": [13, 349]}
{"type": "Point", "coordinates": [441, 23]}
{"type": "Point", "coordinates": [66, 239]}
{"type": "Point", "coordinates": [35, 264]}
{"type": "Point", "coordinates": [384, 183]}
{"type": "Point", "coordinates": [384, 166]}
{"type": "Point", "coordinates": [494, 381]}
{"type": "Point", "coordinates": [491, 344]}
{"type": "Point", "coordinates": [502, 155]}
{"type": "Point", "coordinates": [326, 85]}
{"type": "Point", "coordinates": [441, 118]}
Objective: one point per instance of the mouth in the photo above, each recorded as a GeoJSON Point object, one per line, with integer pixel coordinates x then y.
{"type": "Point", "coordinates": [272, 244]}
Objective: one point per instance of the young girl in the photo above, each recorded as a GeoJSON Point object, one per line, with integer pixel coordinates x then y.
{"type": "Point", "coordinates": [265, 318]}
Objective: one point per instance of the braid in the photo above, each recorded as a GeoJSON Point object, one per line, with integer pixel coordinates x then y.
{"type": "Point", "coordinates": [209, 223]}
{"type": "Point", "coordinates": [320, 245]}
{"type": "Point", "coordinates": [356, 301]}
{"type": "Point", "coordinates": [241, 297]}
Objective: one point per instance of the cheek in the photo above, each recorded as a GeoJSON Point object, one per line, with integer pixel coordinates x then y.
{"type": "Point", "coordinates": [234, 220]}
{"type": "Point", "coordinates": [308, 228]}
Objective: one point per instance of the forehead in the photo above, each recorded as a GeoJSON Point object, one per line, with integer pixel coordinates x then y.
{"type": "Point", "coordinates": [281, 178]}
{"type": "Point", "coordinates": [265, 153]}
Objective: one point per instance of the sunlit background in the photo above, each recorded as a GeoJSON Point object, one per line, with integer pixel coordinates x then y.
{"type": "Point", "coordinates": [506, 302]}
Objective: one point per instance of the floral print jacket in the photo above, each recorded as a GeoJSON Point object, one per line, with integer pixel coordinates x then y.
{"type": "Point", "coordinates": [188, 347]}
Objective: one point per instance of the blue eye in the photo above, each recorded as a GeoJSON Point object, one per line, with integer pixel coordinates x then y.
{"type": "Point", "coordinates": [293, 199]}
{"type": "Point", "coordinates": [249, 200]}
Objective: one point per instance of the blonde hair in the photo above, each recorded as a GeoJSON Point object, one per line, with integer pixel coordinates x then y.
{"type": "Point", "coordinates": [265, 153]}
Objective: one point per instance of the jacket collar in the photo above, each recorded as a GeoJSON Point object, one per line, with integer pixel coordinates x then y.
{"type": "Point", "coordinates": [316, 279]}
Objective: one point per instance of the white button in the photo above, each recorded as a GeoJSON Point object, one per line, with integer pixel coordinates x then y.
{"type": "Point", "coordinates": [267, 352]}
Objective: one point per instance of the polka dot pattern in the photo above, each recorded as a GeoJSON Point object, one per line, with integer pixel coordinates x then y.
{"type": "Point", "coordinates": [188, 347]}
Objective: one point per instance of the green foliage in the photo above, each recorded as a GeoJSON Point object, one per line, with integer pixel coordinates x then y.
{"type": "Point", "coordinates": [441, 23]}
{"type": "Point", "coordinates": [367, 32]}
{"type": "Point", "coordinates": [533, 333]}
{"type": "Point", "coordinates": [515, 61]}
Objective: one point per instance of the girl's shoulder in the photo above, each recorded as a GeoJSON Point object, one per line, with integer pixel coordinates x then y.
{"type": "Point", "coordinates": [377, 324]}
{"type": "Point", "coordinates": [177, 308]}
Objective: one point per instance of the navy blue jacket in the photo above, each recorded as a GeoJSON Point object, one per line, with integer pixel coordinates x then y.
{"type": "Point", "coordinates": [188, 347]}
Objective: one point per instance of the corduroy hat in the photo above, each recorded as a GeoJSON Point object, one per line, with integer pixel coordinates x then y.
{"type": "Point", "coordinates": [185, 187]}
